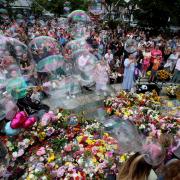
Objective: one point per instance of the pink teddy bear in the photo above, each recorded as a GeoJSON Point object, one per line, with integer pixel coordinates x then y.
{"type": "Point", "coordinates": [47, 118]}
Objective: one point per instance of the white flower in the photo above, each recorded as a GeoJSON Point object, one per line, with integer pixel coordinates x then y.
{"type": "Point", "coordinates": [142, 126]}
{"type": "Point", "coordinates": [32, 176]}
{"type": "Point", "coordinates": [44, 178]}
{"type": "Point", "coordinates": [15, 154]}
{"type": "Point", "coordinates": [26, 141]}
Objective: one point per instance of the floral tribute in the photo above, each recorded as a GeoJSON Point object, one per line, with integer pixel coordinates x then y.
{"type": "Point", "coordinates": [144, 110]}
{"type": "Point", "coordinates": [62, 146]}
{"type": "Point", "coordinates": [173, 91]}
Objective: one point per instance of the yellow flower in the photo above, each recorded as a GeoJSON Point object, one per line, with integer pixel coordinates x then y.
{"type": "Point", "coordinates": [79, 138]}
{"type": "Point", "coordinates": [51, 157]}
{"type": "Point", "coordinates": [30, 177]}
{"type": "Point", "coordinates": [68, 163]}
{"type": "Point", "coordinates": [42, 135]}
{"type": "Point", "coordinates": [89, 142]}
{"type": "Point", "coordinates": [123, 158]}
{"type": "Point", "coordinates": [100, 155]}
{"type": "Point", "coordinates": [117, 113]}
{"type": "Point", "coordinates": [56, 166]}
{"type": "Point", "coordinates": [94, 160]}
{"type": "Point", "coordinates": [102, 149]}
{"type": "Point", "coordinates": [106, 134]}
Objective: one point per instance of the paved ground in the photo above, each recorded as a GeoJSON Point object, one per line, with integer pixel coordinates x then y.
{"type": "Point", "coordinates": [89, 102]}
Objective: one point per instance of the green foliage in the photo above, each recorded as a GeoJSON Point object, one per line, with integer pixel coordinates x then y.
{"type": "Point", "coordinates": [156, 13]}
{"type": "Point", "coordinates": [57, 6]}
{"type": "Point", "coordinates": [58, 144]}
{"type": "Point", "coordinates": [79, 4]}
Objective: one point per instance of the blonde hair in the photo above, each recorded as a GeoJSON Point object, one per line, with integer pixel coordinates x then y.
{"type": "Point", "coordinates": [135, 168]}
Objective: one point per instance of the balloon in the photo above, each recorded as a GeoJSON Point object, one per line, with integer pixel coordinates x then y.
{"type": "Point", "coordinates": [16, 123]}
{"type": "Point", "coordinates": [9, 131]}
{"type": "Point", "coordinates": [29, 122]}
{"type": "Point", "coordinates": [19, 120]}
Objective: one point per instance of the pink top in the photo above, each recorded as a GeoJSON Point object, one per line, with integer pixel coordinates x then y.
{"type": "Point", "coordinates": [155, 53]}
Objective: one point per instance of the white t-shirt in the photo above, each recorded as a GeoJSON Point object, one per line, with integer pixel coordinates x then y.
{"type": "Point", "coordinates": [173, 56]}
{"type": "Point", "coordinates": [108, 57]}
{"type": "Point", "coordinates": [178, 65]}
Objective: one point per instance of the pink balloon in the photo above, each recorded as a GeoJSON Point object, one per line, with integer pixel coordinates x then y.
{"type": "Point", "coordinates": [16, 123]}
{"type": "Point", "coordinates": [23, 114]}
{"type": "Point", "coordinates": [21, 117]}
{"type": "Point", "coordinates": [29, 122]}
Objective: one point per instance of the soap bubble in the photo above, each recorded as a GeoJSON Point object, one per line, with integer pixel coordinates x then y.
{"type": "Point", "coordinates": [64, 92]}
{"type": "Point", "coordinates": [79, 31]}
{"type": "Point", "coordinates": [131, 46]}
{"type": "Point", "coordinates": [78, 44]}
{"type": "Point", "coordinates": [96, 9]}
{"type": "Point", "coordinates": [51, 64]}
{"type": "Point", "coordinates": [128, 137]}
{"type": "Point", "coordinates": [154, 153]}
{"type": "Point", "coordinates": [85, 64]}
{"type": "Point", "coordinates": [78, 16]}
{"type": "Point", "coordinates": [17, 87]}
{"type": "Point", "coordinates": [8, 106]}
{"type": "Point", "coordinates": [42, 47]}
{"type": "Point", "coordinates": [12, 48]}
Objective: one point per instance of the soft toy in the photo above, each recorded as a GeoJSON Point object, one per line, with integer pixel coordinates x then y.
{"type": "Point", "coordinates": [47, 118]}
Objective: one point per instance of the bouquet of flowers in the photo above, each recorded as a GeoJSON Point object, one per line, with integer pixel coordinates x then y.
{"type": "Point", "coordinates": [62, 145]}
{"type": "Point", "coordinates": [163, 75]}
{"type": "Point", "coordinates": [144, 110]}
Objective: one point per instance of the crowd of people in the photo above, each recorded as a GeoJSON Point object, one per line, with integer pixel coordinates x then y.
{"type": "Point", "coordinates": [145, 52]}
{"type": "Point", "coordinates": [129, 53]}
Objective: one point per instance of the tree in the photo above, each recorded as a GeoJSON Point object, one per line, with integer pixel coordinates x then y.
{"type": "Point", "coordinates": [157, 13]}
{"type": "Point", "coordinates": [57, 7]}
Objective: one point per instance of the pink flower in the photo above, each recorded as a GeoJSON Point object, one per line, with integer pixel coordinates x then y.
{"type": "Point", "coordinates": [41, 151]}
{"type": "Point", "coordinates": [68, 148]}
{"type": "Point", "coordinates": [60, 172]}
{"type": "Point", "coordinates": [20, 152]}
{"type": "Point", "coordinates": [110, 154]}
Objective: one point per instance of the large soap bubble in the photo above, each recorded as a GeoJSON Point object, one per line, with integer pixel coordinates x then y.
{"type": "Point", "coordinates": [8, 106]}
{"type": "Point", "coordinates": [78, 16]}
{"type": "Point", "coordinates": [78, 44]}
{"type": "Point", "coordinates": [153, 152]}
{"type": "Point", "coordinates": [16, 85]}
{"type": "Point", "coordinates": [51, 64]}
{"type": "Point", "coordinates": [12, 48]}
{"type": "Point", "coordinates": [128, 137]}
{"type": "Point", "coordinates": [42, 47]}
{"type": "Point", "coordinates": [85, 64]}
{"type": "Point", "coordinates": [131, 46]}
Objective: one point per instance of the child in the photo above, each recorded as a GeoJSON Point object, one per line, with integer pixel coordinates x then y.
{"type": "Point", "coordinates": [155, 67]}
{"type": "Point", "coordinates": [146, 64]}
{"type": "Point", "coordinates": [101, 76]}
